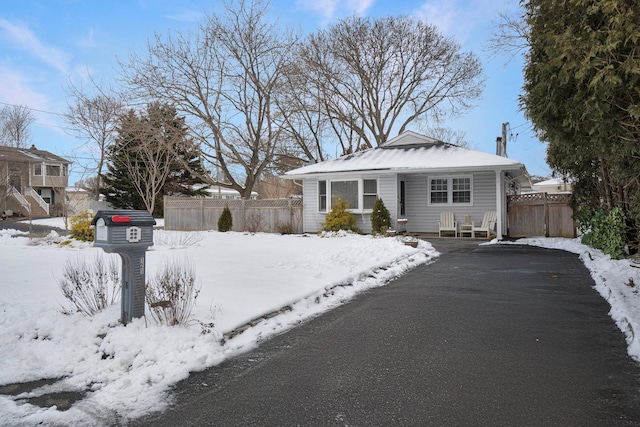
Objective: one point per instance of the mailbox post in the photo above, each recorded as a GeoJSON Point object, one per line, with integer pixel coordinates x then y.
{"type": "Point", "coordinates": [128, 233]}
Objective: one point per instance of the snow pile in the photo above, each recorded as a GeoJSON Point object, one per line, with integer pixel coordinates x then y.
{"type": "Point", "coordinates": [126, 371]}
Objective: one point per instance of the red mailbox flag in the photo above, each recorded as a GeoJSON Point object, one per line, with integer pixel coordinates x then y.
{"type": "Point", "coordinates": [118, 218]}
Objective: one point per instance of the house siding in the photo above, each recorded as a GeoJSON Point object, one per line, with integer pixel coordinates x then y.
{"type": "Point", "coordinates": [423, 218]}
{"type": "Point", "coordinates": [313, 220]}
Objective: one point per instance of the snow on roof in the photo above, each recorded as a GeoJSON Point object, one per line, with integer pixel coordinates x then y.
{"type": "Point", "coordinates": [411, 152]}
{"type": "Point", "coordinates": [552, 181]}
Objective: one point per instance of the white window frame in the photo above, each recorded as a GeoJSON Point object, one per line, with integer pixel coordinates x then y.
{"type": "Point", "coordinates": [325, 195]}
{"type": "Point", "coordinates": [449, 179]}
{"type": "Point", "coordinates": [361, 194]}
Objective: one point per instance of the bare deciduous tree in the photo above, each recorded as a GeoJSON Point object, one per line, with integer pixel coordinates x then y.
{"type": "Point", "coordinates": [510, 35]}
{"type": "Point", "coordinates": [94, 118]}
{"type": "Point", "coordinates": [145, 150]}
{"type": "Point", "coordinates": [380, 75]}
{"type": "Point", "coordinates": [449, 135]}
{"type": "Point", "coordinates": [14, 125]}
{"type": "Point", "coordinates": [224, 78]}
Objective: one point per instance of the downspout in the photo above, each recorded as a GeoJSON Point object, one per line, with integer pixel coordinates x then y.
{"type": "Point", "coordinates": [499, 204]}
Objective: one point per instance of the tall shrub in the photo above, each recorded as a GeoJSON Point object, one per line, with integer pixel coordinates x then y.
{"type": "Point", "coordinates": [339, 218]}
{"type": "Point", "coordinates": [225, 222]}
{"type": "Point", "coordinates": [380, 217]}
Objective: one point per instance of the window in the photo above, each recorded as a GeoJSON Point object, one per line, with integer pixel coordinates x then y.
{"type": "Point", "coordinates": [322, 196]}
{"type": "Point", "coordinates": [439, 192]}
{"type": "Point", "coordinates": [461, 190]}
{"type": "Point", "coordinates": [359, 193]}
{"type": "Point", "coordinates": [53, 170]}
{"type": "Point", "coordinates": [369, 193]}
{"type": "Point", "coordinates": [347, 191]}
{"type": "Point", "coordinates": [37, 169]}
{"type": "Point", "coordinates": [450, 190]}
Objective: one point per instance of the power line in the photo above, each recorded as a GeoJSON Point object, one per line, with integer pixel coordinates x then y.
{"type": "Point", "coordinates": [32, 109]}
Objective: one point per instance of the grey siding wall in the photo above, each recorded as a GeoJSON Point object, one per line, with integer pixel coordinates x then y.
{"type": "Point", "coordinates": [424, 218]}
{"type": "Point", "coordinates": [312, 219]}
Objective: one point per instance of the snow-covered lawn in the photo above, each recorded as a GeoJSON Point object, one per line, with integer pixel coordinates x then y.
{"type": "Point", "coordinates": [126, 371]}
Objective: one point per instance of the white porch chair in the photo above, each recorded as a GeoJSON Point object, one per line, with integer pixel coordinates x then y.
{"type": "Point", "coordinates": [447, 223]}
{"type": "Point", "coordinates": [488, 225]}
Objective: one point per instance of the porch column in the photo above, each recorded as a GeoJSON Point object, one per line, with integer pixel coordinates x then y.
{"type": "Point", "coordinates": [499, 204]}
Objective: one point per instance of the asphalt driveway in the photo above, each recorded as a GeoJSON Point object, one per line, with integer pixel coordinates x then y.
{"type": "Point", "coordinates": [485, 336]}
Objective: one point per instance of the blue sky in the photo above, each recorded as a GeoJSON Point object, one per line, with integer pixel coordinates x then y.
{"type": "Point", "coordinates": [43, 44]}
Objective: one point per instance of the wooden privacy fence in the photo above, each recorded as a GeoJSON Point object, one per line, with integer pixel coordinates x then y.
{"type": "Point", "coordinates": [266, 215]}
{"type": "Point", "coordinates": [540, 214]}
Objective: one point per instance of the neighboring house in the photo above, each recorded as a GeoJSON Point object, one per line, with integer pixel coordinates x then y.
{"type": "Point", "coordinates": [417, 178]}
{"type": "Point", "coordinates": [79, 199]}
{"type": "Point", "coordinates": [35, 180]}
{"type": "Point", "coordinates": [553, 185]}
{"type": "Point", "coordinates": [226, 194]}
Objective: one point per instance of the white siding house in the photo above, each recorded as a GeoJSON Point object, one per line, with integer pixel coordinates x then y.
{"type": "Point", "coordinates": [417, 178]}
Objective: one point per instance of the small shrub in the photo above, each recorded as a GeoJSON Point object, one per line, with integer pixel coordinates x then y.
{"type": "Point", "coordinates": [253, 223]}
{"type": "Point", "coordinates": [172, 293]}
{"type": "Point", "coordinates": [284, 228]}
{"type": "Point", "coordinates": [340, 219]}
{"type": "Point", "coordinates": [608, 233]}
{"type": "Point", "coordinates": [380, 217]}
{"type": "Point", "coordinates": [81, 226]}
{"type": "Point", "coordinates": [225, 222]}
{"type": "Point", "coordinates": [91, 286]}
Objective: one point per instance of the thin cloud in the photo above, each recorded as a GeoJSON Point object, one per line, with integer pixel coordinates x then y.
{"type": "Point", "coordinates": [330, 9]}
{"type": "Point", "coordinates": [186, 16]}
{"type": "Point", "coordinates": [457, 18]}
{"type": "Point", "coordinates": [15, 90]}
{"type": "Point", "coordinates": [359, 6]}
{"type": "Point", "coordinates": [87, 41]}
{"type": "Point", "coordinates": [25, 39]}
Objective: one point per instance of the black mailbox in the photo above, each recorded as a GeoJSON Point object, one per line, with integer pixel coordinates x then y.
{"type": "Point", "coordinates": [128, 233]}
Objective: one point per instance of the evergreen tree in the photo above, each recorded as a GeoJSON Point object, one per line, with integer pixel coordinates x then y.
{"type": "Point", "coordinates": [340, 218]}
{"type": "Point", "coordinates": [225, 222]}
{"type": "Point", "coordinates": [582, 93]}
{"type": "Point", "coordinates": [147, 160]}
{"type": "Point", "coordinates": [380, 217]}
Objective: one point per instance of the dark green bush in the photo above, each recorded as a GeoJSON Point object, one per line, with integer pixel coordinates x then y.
{"type": "Point", "coordinates": [605, 232]}
{"type": "Point", "coordinates": [225, 222]}
{"type": "Point", "coordinates": [380, 217]}
{"type": "Point", "coordinates": [339, 218]}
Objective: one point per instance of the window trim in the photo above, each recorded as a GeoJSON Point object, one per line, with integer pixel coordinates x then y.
{"type": "Point", "coordinates": [361, 194]}
{"type": "Point", "coordinates": [449, 179]}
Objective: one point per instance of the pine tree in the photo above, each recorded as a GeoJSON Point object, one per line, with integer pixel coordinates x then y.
{"type": "Point", "coordinates": [225, 222]}
{"type": "Point", "coordinates": [380, 217]}
{"type": "Point", "coordinates": [147, 146]}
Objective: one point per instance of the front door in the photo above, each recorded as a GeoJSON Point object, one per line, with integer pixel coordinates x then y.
{"type": "Point", "coordinates": [401, 202]}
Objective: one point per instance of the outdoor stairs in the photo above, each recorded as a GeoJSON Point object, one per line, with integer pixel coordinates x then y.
{"type": "Point", "coordinates": [36, 209]}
